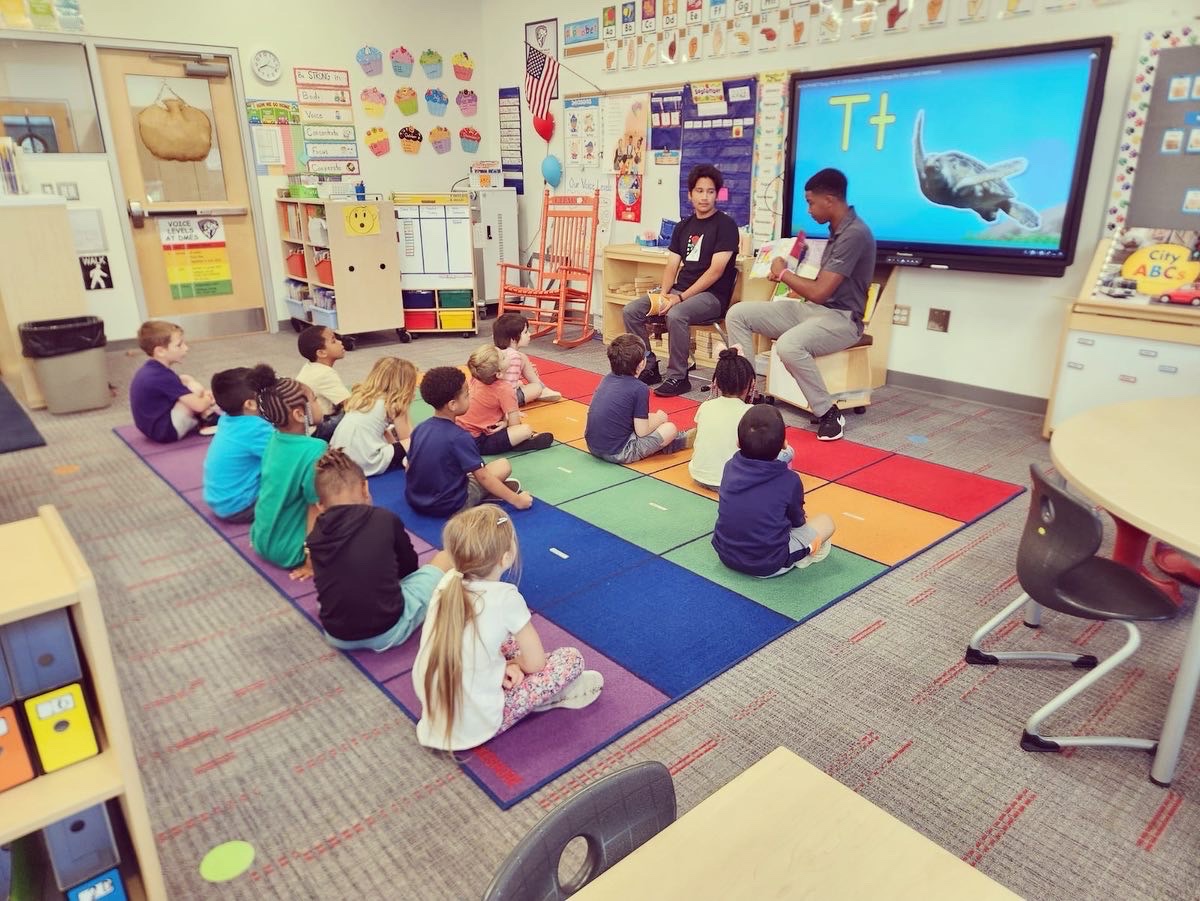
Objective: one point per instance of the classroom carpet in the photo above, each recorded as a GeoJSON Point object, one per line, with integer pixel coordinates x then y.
{"type": "Point", "coordinates": [17, 430]}
{"type": "Point", "coordinates": [617, 561]}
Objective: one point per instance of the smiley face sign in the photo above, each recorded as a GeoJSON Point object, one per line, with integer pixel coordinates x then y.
{"type": "Point", "coordinates": [361, 219]}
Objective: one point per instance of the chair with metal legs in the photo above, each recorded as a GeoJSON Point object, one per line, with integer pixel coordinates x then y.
{"type": "Point", "coordinates": [1058, 570]}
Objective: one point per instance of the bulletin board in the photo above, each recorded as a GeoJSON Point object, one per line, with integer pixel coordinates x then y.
{"type": "Point", "coordinates": [720, 131]}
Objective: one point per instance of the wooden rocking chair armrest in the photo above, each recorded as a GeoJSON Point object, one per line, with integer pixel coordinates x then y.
{"type": "Point", "coordinates": [504, 266]}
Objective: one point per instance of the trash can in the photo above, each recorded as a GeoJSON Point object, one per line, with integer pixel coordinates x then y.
{"type": "Point", "coordinates": [68, 360]}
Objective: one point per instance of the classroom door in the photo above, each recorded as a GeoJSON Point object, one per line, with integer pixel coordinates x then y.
{"type": "Point", "coordinates": [179, 151]}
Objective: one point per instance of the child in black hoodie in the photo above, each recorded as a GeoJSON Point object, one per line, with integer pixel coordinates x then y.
{"type": "Point", "coordinates": [371, 591]}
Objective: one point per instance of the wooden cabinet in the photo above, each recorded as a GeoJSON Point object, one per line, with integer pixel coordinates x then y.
{"type": "Point", "coordinates": [340, 263]}
{"type": "Point", "coordinates": [45, 571]}
{"type": "Point", "coordinates": [437, 259]}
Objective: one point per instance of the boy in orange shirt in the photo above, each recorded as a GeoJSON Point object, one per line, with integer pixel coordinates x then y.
{"type": "Point", "coordinates": [493, 417]}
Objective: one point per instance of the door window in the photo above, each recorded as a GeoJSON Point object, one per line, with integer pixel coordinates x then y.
{"type": "Point", "coordinates": [47, 104]}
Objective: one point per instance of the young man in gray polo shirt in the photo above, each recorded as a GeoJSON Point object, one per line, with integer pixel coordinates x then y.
{"type": "Point", "coordinates": [833, 317]}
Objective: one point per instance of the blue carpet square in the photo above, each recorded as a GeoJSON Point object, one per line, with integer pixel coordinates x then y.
{"type": "Point", "coordinates": [666, 625]}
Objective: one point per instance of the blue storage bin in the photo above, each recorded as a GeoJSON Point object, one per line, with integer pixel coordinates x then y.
{"type": "Point", "coordinates": [81, 846]}
{"type": "Point", "coordinates": [418, 300]}
{"type": "Point", "coordinates": [6, 686]}
{"type": "Point", "coordinates": [323, 317]}
{"type": "Point", "coordinates": [105, 887]}
{"type": "Point", "coordinates": [41, 653]}
{"type": "Point", "coordinates": [295, 308]}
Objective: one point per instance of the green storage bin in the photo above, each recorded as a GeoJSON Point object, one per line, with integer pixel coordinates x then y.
{"type": "Point", "coordinates": [459, 298]}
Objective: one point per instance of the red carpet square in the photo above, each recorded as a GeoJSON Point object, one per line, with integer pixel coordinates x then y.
{"type": "Point", "coordinates": [544, 366]}
{"type": "Point", "coordinates": [929, 486]}
{"type": "Point", "coordinates": [574, 383]}
{"type": "Point", "coordinates": [830, 459]}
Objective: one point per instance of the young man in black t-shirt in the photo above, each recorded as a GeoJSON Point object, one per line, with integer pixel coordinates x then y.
{"type": "Point", "coordinates": [697, 281]}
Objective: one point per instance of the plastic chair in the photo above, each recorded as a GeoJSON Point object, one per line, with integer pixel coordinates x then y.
{"type": "Point", "coordinates": [1058, 568]}
{"type": "Point", "coordinates": [560, 295]}
{"type": "Point", "coordinates": [615, 814]}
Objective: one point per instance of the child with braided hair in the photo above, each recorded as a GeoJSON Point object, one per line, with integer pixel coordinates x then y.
{"type": "Point", "coordinates": [287, 494]}
{"type": "Point", "coordinates": [717, 419]}
{"type": "Point", "coordinates": [371, 590]}
{"type": "Point", "coordinates": [481, 666]}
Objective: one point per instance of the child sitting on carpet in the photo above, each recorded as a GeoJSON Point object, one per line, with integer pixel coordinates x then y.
{"type": "Point", "coordinates": [371, 590]}
{"type": "Point", "coordinates": [761, 529]}
{"type": "Point", "coordinates": [287, 495]}
{"type": "Point", "coordinates": [492, 417]}
{"type": "Point", "coordinates": [322, 347]}
{"type": "Point", "coordinates": [717, 419]}
{"type": "Point", "coordinates": [446, 472]}
{"type": "Point", "coordinates": [620, 427]}
{"type": "Point", "coordinates": [375, 430]}
{"type": "Point", "coordinates": [481, 667]}
{"type": "Point", "coordinates": [233, 464]}
{"type": "Point", "coordinates": [167, 406]}
{"type": "Point", "coordinates": [510, 332]}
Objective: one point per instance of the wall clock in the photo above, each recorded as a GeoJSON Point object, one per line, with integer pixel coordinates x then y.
{"type": "Point", "coordinates": [265, 64]}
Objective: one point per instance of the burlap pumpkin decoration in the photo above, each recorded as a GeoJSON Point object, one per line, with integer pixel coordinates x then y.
{"type": "Point", "coordinates": [172, 130]}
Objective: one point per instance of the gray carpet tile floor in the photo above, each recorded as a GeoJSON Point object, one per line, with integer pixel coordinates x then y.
{"type": "Point", "coordinates": [248, 727]}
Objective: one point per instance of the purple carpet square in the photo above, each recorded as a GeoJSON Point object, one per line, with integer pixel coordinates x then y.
{"type": "Point", "coordinates": [309, 607]}
{"type": "Point", "coordinates": [420, 545]}
{"type": "Point", "coordinates": [195, 497]}
{"type": "Point", "coordinates": [545, 745]}
{"type": "Point", "coordinates": [392, 662]}
{"type": "Point", "coordinates": [182, 466]}
{"type": "Point", "coordinates": [144, 447]}
{"type": "Point", "coordinates": [275, 575]}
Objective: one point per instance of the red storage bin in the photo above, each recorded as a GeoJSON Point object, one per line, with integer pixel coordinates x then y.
{"type": "Point", "coordinates": [418, 320]}
{"type": "Point", "coordinates": [325, 272]}
{"type": "Point", "coordinates": [296, 265]}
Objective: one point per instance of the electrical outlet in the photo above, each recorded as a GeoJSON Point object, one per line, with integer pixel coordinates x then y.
{"type": "Point", "coordinates": [939, 320]}
{"type": "Point", "coordinates": [900, 314]}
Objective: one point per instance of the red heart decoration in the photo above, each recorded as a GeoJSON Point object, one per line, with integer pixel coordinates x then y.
{"type": "Point", "coordinates": [544, 126]}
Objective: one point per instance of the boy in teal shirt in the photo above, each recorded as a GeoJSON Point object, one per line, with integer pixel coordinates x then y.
{"type": "Point", "coordinates": [233, 463]}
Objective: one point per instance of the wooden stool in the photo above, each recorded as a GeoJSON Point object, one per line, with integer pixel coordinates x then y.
{"type": "Point", "coordinates": [847, 376]}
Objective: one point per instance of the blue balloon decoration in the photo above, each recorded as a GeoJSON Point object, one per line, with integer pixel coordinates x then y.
{"type": "Point", "coordinates": [552, 170]}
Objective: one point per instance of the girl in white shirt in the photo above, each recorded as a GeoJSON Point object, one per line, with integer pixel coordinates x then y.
{"type": "Point", "coordinates": [481, 667]}
{"type": "Point", "coordinates": [375, 430]}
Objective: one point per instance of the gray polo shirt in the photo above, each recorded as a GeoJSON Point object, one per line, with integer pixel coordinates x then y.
{"type": "Point", "coordinates": [851, 254]}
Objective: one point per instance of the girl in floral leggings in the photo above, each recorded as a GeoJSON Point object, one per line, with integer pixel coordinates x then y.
{"type": "Point", "coordinates": [481, 666]}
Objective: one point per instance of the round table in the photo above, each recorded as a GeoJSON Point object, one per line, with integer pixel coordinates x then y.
{"type": "Point", "coordinates": [1140, 461]}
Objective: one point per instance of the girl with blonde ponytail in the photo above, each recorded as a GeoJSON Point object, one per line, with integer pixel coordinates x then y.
{"type": "Point", "coordinates": [481, 667]}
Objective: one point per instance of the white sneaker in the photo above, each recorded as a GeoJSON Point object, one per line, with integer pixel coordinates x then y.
{"type": "Point", "coordinates": [513, 485]}
{"type": "Point", "coordinates": [578, 694]}
{"type": "Point", "coordinates": [549, 395]}
{"type": "Point", "coordinates": [207, 431]}
{"type": "Point", "coordinates": [816, 556]}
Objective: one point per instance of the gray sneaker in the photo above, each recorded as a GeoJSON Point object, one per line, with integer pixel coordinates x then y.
{"type": "Point", "coordinates": [578, 694]}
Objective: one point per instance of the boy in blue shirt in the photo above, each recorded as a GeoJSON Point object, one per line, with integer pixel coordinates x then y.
{"type": "Point", "coordinates": [620, 427]}
{"type": "Point", "coordinates": [761, 528]}
{"type": "Point", "coordinates": [167, 407]}
{"type": "Point", "coordinates": [233, 463]}
{"type": "Point", "coordinates": [445, 470]}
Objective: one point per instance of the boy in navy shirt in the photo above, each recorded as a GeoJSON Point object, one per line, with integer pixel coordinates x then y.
{"type": "Point", "coordinates": [761, 528]}
{"type": "Point", "coordinates": [620, 427]}
{"type": "Point", "coordinates": [167, 406]}
{"type": "Point", "coordinates": [445, 470]}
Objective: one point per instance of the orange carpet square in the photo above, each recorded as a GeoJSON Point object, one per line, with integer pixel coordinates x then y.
{"type": "Point", "coordinates": [565, 419]}
{"type": "Point", "coordinates": [875, 527]}
{"type": "Point", "coordinates": [679, 475]}
{"type": "Point", "coordinates": [653, 463]}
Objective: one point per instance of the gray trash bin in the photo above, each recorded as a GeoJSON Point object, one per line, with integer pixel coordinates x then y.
{"type": "Point", "coordinates": [68, 360]}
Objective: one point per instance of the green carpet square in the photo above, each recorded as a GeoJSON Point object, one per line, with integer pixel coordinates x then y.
{"type": "Point", "coordinates": [798, 594]}
{"type": "Point", "coordinates": [647, 512]}
{"type": "Point", "coordinates": [561, 473]}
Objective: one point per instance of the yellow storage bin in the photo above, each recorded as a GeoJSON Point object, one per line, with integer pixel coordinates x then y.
{"type": "Point", "coordinates": [456, 320]}
{"type": "Point", "coordinates": [61, 727]}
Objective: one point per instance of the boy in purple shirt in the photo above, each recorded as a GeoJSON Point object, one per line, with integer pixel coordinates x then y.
{"type": "Point", "coordinates": [167, 406]}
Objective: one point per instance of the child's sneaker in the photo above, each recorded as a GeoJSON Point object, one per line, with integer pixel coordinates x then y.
{"type": "Point", "coordinates": [513, 485]}
{"type": "Point", "coordinates": [683, 441]}
{"type": "Point", "coordinates": [817, 551]}
{"type": "Point", "coordinates": [207, 430]}
{"type": "Point", "coordinates": [549, 395]}
{"type": "Point", "coordinates": [540, 441]}
{"type": "Point", "coordinates": [578, 694]}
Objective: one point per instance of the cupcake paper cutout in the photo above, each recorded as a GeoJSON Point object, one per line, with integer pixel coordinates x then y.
{"type": "Point", "coordinates": [377, 141]}
{"type": "Point", "coordinates": [371, 60]}
{"type": "Point", "coordinates": [464, 67]}
{"type": "Point", "coordinates": [468, 102]}
{"type": "Point", "coordinates": [437, 101]}
{"type": "Point", "coordinates": [431, 62]}
{"type": "Point", "coordinates": [439, 137]}
{"type": "Point", "coordinates": [374, 102]}
{"type": "Point", "coordinates": [410, 139]}
{"type": "Point", "coordinates": [406, 99]}
{"type": "Point", "coordinates": [402, 62]}
{"type": "Point", "coordinates": [470, 139]}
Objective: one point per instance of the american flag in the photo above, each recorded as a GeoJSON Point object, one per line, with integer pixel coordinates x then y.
{"type": "Point", "coordinates": [541, 80]}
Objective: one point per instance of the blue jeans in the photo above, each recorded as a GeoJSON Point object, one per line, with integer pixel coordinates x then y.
{"type": "Point", "coordinates": [702, 309]}
{"type": "Point", "coordinates": [417, 588]}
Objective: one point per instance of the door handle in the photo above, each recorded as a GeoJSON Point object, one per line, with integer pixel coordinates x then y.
{"type": "Point", "coordinates": [199, 211]}
{"type": "Point", "coordinates": [137, 214]}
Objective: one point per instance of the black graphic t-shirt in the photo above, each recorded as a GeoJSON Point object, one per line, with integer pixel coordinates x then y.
{"type": "Point", "coordinates": [695, 241]}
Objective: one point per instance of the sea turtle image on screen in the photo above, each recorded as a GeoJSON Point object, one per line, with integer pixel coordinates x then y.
{"type": "Point", "coordinates": [954, 178]}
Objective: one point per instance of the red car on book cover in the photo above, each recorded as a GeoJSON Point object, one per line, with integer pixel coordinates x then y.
{"type": "Point", "coordinates": [1189, 294]}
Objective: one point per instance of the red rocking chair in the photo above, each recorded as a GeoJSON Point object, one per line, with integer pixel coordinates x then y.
{"type": "Point", "coordinates": [561, 293]}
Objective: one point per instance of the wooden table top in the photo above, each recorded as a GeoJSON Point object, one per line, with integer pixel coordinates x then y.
{"type": "Point", "coordinates": [1140, 461]}
{"type": "Point", "coordinates": [784, 829]}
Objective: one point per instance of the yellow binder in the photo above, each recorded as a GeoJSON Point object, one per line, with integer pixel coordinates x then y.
{"type": "Point", "coordinates": [61, 727]}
